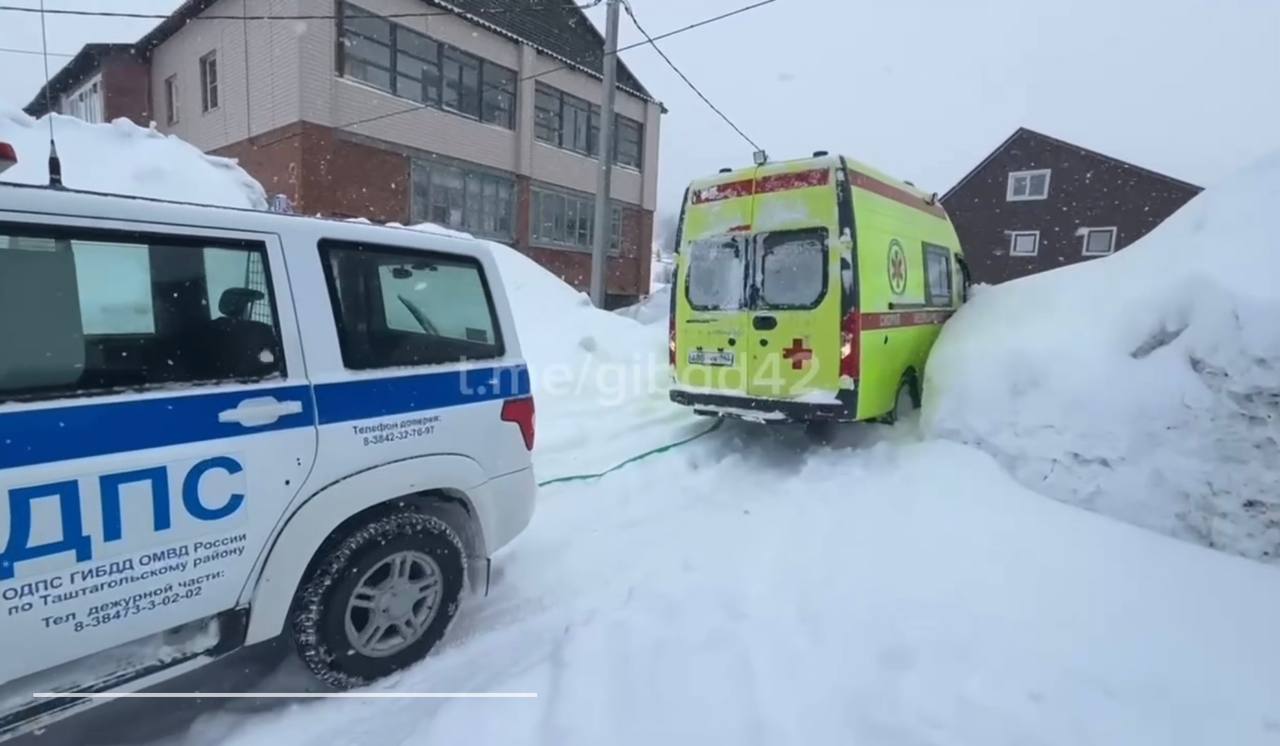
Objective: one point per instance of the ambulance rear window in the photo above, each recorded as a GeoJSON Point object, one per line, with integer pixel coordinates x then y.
{"type": "Point", "coordinates": [717, 275]}
{"type": "Point", "coordinates": [793, 268]}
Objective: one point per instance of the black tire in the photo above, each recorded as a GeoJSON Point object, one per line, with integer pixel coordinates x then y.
{"type": "Point", "coordinates": [319, 616]}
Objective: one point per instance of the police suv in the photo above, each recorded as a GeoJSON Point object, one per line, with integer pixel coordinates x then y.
{"type": "Point", "coordinates": [218, 426]}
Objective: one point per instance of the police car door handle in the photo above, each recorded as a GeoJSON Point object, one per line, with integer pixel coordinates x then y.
{"type": "Point", "coordinates": [259, 411]}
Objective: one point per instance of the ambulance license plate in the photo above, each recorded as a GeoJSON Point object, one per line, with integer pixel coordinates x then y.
{"type": "Point", "coordinates": [703, 357]}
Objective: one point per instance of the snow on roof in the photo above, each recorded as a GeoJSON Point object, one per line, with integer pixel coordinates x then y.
{"type": "Point", "coordinates": [123, 158]}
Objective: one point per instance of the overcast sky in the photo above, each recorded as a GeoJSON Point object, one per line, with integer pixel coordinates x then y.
{"type": "Point", "coordinates": [922, 90]}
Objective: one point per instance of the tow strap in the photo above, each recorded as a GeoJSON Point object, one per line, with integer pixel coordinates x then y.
{"type": "Point", "coordinates": [661, 449]}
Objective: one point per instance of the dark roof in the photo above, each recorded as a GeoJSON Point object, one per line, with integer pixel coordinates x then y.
{"type": "Point", "coordinates": [556, 28]}
{"type": "Point", "coordinates": [72, 74]}
{"type": "Point", "coordinates": [1023, 131]}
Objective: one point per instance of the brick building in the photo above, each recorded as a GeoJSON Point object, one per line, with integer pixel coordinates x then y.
{"type": "Point", "coordinates": [481, 115]}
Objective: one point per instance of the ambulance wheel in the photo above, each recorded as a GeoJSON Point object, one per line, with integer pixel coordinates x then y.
{"type": "Point", "coordinates": [382, 597]}
{"type": "Point", "coordinates": [905, 402]}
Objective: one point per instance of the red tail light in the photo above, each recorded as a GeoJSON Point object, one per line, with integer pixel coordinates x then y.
{"type": "Point", "coordinates": [671, 340]}
{"type": "Point", "coordinates": [8, 156]}
{"type": "Point", "coordinates": [850, 334]}
{"type": "Point", "coordinates": [520, 411]}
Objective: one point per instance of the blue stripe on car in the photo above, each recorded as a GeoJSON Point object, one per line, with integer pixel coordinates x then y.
{"type": "Point", "coordinates": [84, 429]}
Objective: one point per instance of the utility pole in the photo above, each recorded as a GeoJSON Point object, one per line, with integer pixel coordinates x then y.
{"type": "Point", "coordinates": [604, 178]}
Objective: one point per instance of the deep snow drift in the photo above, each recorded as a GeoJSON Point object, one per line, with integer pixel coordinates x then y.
{"type": "Point", "coordinates": [1145, 385]}
{"type": "Point", "coordinates": [123, 158]}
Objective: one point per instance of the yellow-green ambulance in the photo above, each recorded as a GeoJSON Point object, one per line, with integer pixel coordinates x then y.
{"type": "Point", "coordinates": [809, 290]}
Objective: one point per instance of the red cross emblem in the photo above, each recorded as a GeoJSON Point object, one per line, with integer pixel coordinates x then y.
{"type": "Point", "coordinates": [798, 354]}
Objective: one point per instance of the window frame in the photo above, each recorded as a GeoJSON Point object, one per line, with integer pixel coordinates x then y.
{"type": "Point", "coordinates": [432, 96]}
{"type": "Point", "coordinates": [326, 247]}
{"type": "Point", "coordinates": [173, 109]}
{"type": "Point", "coordinates": [151, 239]}
{"type": "Point", "coordinates": [1087, 232]}
{"type": "Point", "coordinates": [538, 193]}
{"type": "Point", "coordinates": [759, 251]}
{"type": "Point", "coordinates": [930, 297]}
{"type": "Point", "coordinates": [420, 210]}
{"type": "Point", "coordinates": [209, 94]}
{"type": "Point", "coordinates": [563, 101]}
{"type": "Point", "coordinates": [1011, 196]}
{"type": "Point", "coordinates": [1013, 243]}
{"type": "Point", "coordinates": [741, 243]}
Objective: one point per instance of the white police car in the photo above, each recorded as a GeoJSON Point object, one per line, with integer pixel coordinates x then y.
{"type": "Point", "coordinates": [220, 425]}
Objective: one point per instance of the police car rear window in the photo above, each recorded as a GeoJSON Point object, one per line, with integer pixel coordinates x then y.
{"type": "Point", "coordinates": [87, 311]}
{"type": "Point", "coordinates": [398, 307]}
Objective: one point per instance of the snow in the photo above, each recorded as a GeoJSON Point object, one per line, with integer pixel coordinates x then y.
{"type": "Point", "coordinates": [750, 587]}
{"type": "Point", "coordinates": [123, 158]}
{"type": "Point", "coordinates": [1143, 385]}
{"type": "Point", "coordinates": [748, 590]}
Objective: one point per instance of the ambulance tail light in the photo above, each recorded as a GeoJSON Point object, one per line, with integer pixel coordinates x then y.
{"type": "Point", "coordinates": [520, 411]}
{"type": "Point", "coordinates": [671, 340]}
{"type": "Point", "coordinates": [8, 156]}
{"type": "Point", "coordinates": [850, 332]}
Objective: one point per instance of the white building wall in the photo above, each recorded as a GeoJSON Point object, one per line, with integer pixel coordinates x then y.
{"type": "Point", "coordinates": [251, 100]}
{"type": "Point", "coordinates": [291, 76]}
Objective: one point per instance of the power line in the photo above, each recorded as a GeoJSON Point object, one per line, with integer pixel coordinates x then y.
{"type": "Point", "coordinates": [673, 32]}
{"type": "Point", "coordinates": [305, 17]}
{"type": "Point", "coordinates": [630, 13]}
{"type": "Point", "coordinates": [567, 65]}
{"type": "Point", "coordinates": [33, 51]}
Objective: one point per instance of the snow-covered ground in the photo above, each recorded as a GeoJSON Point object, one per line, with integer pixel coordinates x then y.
{"type": "Point", "coordinates": [123, 158]}
{"type": "Point", "coordinates": [1145, 385]}
{"type": "Point", "coordinates": [750, 588]}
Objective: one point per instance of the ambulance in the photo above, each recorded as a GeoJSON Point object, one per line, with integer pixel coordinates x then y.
{"type": "Point", "coordinates": [809, 291]}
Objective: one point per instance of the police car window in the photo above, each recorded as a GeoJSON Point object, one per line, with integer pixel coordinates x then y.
{"type": "Point", "coordinates": [87, 312]}
{"type": "Point", "coordinates": [793, 268]}
{"type": "Point", "coordinates": [402, 307]}
{"type": "Point", "coordinates": [937, 275]}
{"type": "Point", "coordinates": [717, 274]}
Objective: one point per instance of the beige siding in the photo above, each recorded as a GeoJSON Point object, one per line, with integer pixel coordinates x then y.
{"type": "Point", "coordinates": [262, 97]}
{"type": "Point", "coordinates": [292, 77]}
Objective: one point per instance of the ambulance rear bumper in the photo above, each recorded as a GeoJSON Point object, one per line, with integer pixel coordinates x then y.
{"type": "Point", "coordinates": [770, 410]}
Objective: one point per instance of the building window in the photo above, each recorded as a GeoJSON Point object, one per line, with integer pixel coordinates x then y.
{"type": "Point", "coordinates": [568, 122]}
{"type": "Point", "coordinates": [209, 81]}
{"type": "Point", "coordinates": [1099, 241]}
{"type": "Point", "coordinates": [171, 99]}
{"type": "Point", "coordinates": [405, 63]}
{"type": "Point", "coordinates": [1027, 185]}
{"type": "Point", "coordinates": [479, 202]}
{"type": "Point", "coordinates": [1024, 243]}
{"type": "Point", "coordinates": [86, 102]}
{"type": "Point", "coordinates": [565, 220]}
{"type": "Point", "coordinates": [630, 137]}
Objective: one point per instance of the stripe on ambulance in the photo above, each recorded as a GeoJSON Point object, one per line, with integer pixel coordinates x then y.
{"type": "Point", "coordinates": [900, 319]}
{"type": "Point", "coordinates": [811, 178]}
{"type": "Point", "coordinates": [82, 430]}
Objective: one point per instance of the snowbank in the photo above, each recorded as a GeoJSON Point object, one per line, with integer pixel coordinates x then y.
{"type": "Point", "coordinates": [123, 158]}
{"type": "Point", "coordinates": [600, 378]}
{"type": "Point", "coordinates": [1145, 385]}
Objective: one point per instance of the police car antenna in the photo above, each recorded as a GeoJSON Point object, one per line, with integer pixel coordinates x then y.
{"type": "Point", "coordinates": [55, 164]}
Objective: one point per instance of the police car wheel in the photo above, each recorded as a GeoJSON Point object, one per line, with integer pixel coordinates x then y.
{"type": "Point", "coordinates": [380, 600]}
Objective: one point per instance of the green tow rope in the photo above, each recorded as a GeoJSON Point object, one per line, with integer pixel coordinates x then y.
{"type": "Point", "coordinates": [633, 459]}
